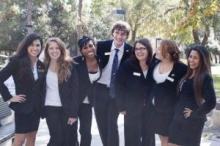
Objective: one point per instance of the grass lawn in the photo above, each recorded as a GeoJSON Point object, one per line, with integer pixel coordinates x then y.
{"type": "Point", "coordinates": [216, 79]}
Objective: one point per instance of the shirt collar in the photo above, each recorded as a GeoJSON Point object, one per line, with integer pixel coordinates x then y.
{"type": "Point", "coordinates": [121, 49]}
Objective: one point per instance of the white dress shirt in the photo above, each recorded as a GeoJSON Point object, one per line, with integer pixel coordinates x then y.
{"type": "Point", "coordinates": [52, 90]}
{"type": "Point", "coordinates": [106, 72]}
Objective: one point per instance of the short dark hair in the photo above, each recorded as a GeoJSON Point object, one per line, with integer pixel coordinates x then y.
{"type": "Point", "coordinates": [82, 42]}
{"type": "Point", "coordinates": [121, 25]}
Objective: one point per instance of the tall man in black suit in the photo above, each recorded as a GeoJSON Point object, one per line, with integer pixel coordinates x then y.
{"type": "Point", "coordinates": [111, 54]}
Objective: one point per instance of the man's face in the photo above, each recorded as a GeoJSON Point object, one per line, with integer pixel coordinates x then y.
{"type": "Point", "coordinates": [119, 37]}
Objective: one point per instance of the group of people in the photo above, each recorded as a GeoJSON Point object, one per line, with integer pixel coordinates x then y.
{"type": "Point", "coordinates": [156, 92]}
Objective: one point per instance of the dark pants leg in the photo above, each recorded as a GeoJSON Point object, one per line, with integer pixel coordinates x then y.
{"type": "Point", "coordinates": [85, 119]}
{"type": "Point", "coordinates": [70, 134]}
{"type": "Point", "coordinates": [61, 134]}
{"type": "Point", "coordinates": [133, 127]}
{"type": "Point", "coordinates": [54, 119]}
{"type": "Point", "coordinates": [106, 116]}
{"type": "Point", "coordinates": [148, 137]}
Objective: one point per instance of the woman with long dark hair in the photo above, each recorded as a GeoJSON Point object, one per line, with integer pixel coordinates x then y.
{"type": "Point", "coordinates": [131, 93]}
{"type": "Point", "coordinates": [26, 70]}
{"type": "Point", "coordinates": [165, 74]}
{"type": "Point", "coordinates": [88, 73]}
{"type": "Point", "coordinates": [60, 92]}
{"type": "Point", "coordinates": [197, 98]}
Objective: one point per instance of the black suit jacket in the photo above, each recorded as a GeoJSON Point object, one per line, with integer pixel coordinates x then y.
{"type": "Point", "coordinates": [86, 88]}
{"type": "Point", "coordinates": [24, 84]}
{"type": "Point", "coordinates": [131, 86]}
{"type": "Point", "coordinates": [103, 49]}
{"type": "Point", "coordinates": [165, 94]}
{"type": "Point", "coordinates": [68, 91]}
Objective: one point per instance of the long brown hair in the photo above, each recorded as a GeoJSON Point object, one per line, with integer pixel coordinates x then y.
{"type": "Point", "coordinates": [202, 70]}
{"type": "Point", "coordinates": [64, 61]}
{"type": "Point", "coordinates": [170, 47]}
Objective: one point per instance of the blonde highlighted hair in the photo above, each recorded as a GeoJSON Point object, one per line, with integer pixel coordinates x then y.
{"type": "Point", "coordinates": [64, 62]}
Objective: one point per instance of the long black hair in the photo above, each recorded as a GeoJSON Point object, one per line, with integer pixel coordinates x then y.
{"type": "Point", "coordinates": [21, 55]}
{"type": "Point", "coordinates": [201, 72]}
{"type": "Point", "coordinates": [25, 43]}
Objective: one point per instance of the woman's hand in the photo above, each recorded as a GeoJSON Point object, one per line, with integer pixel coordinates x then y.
{"type": "Point", "coordinates": [187, 112]}
{"type": "Point", "coordinates": [71, 120]}
{"type": "Point", "coordinates": [18, 98]}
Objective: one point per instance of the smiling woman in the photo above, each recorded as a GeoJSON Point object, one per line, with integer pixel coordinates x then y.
{"type": "Point", "coordinates": [26, 70]}
{"type": "Point", "coordinates": [197, 98]}
{"type": "Point", "coordinates": [59, 104]}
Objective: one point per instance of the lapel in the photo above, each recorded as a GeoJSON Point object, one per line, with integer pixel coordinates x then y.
{"type": "Point", "coordinates": [107, 51]}
{"type": "Point", "coordinates": [137, 70]}
{"type": "Point", "coordinates": [126, 53]}
{"type": "Point", "coordinates": [85, 70]}
{"type": "Point", "coordinates": [40, 69]}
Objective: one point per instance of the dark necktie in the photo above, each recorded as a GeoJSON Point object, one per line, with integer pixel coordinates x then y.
{"type": "Point", "coordinates": [113, 73]}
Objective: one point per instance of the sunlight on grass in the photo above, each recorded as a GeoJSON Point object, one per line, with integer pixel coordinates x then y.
{"type": "Point", "coordinates": [216, 79]}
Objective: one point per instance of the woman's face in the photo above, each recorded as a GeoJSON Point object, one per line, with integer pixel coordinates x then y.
{"type": "Point", "coordinates": [54, 51]}
{"type": "Point", "coordinates": [160, 56]}
{"type": "Point", "coordinates": [88, 50]}
{"type": "Point", "coordinates": [193, 60]}
{"type": "Point", "coordinates": [141, 52]}
{"type": "Point", "coordinates": [159, 53]}
{"type": "Point", "coordinates": [34, 49]}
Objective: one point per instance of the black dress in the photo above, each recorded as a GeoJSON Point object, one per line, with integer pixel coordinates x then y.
{"type": "Point", "coordinates": [27, 115]}
{"type": "Point", "coordinates": [187, 131]}
{"type": "Point", "coordinates": [163, 98]}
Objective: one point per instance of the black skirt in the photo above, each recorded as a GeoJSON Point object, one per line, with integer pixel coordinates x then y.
{"type": "Point", "coordinates": [160, 121]}
{"type": "Point", "coordinates": [186, 132]}
{"type": "Point", "coordinates": [25, 123]}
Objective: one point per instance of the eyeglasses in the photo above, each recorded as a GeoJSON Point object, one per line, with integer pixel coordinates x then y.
{"type": "Point", "coordinates": [139, 49]}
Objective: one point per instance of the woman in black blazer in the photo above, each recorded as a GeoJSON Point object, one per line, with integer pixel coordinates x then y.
{"type": "Point", "coordinates": [132, 95]}
{"type": "Point", "coordinates": [165, 74]}
{"type": "Point", "coordinates": [88, 72]}
{"type": "Point", "coordinates": [197, 98]}
{"type": "Point", "coordinates": [26, 70]}
{"type": "Point", "coordinates": [60, 92]}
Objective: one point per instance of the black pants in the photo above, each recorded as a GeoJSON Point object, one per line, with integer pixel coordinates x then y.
{"type": "Point", "coordinates": [85, 119]}
{"type": "Point", "coordinates": [136, 129]}
{"type": "Point", "coordinates": [148, 137]}
{"type": "Point", "coordinates": [61, 134]}
{"type": "Point", "coordinates": [106, 113]}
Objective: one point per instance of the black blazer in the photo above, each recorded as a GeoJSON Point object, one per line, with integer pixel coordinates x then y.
{"type": "Point", "coordinates": [165, 94]}
{"type": "Point", "coordinates": [131, 85]}
{"type": "Point", "coordinates": [68, 91]}
{"type": "Point", "coordinates": [85, 86]}
{"type": "Point", "coordinates": [24, 84]}
{"type": "Point", "coordinates": [188, 99]}
{"type": "Point", "coordinates": [103, 49]}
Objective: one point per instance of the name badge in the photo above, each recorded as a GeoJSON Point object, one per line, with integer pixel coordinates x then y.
{"type": "Point", "coordinates": [107, 53]}
{"type": "Point", "coordinates": [170, 79]}
{"type": "Point", "coordinates": [136, 74]}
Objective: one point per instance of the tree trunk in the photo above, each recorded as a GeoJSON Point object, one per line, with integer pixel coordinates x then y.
{"type": "Point", "coordinates": [195, 34]}
{"type": "Point", "coordinates": [206, 36]}
{"type": "Point", "coordinates": [29, 16]}
{"type": "Point", "coordinates": [80, 10]}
